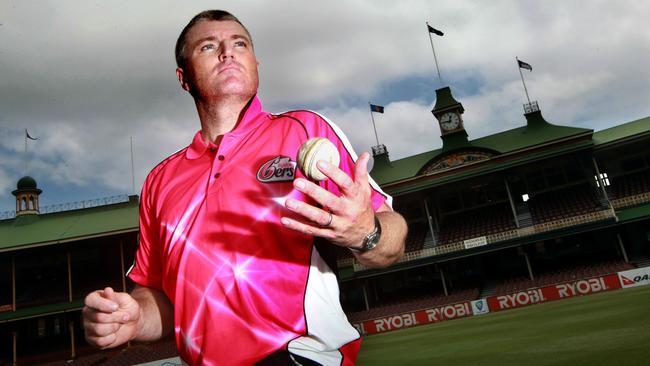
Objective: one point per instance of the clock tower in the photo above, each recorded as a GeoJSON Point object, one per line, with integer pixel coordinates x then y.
{"type": "Point", "coordinates": [457, 151]}
{"type": "Point", "coordinates": [449, 113]}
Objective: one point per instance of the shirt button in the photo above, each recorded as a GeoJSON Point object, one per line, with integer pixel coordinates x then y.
{"type": "Point", "coordinates": [221, 157]}
{"type": "Point", "coordinates": [217, 175]}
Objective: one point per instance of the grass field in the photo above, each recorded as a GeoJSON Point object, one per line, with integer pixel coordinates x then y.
{"type": "Point", "coordinates": [611, 328]}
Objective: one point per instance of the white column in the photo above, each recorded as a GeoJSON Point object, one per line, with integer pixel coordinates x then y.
{"type": "Point", "coordinates": [512, 204]}
{"type": "Point", "coordinates": [428, 213]}
{"type": "Point", "coordinates": [365, 297]}
{"type": "Point", "coordinates": [530, 269]}
{"type": "Point", "coordinates": [620, 243]}
{"type": "Point", "coordinates": [444, 283]}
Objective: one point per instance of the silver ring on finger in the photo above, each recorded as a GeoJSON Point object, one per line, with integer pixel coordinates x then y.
{"type": "Point", "coordinates": [329, 222]}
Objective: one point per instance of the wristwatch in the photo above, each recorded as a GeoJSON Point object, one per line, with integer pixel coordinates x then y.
{"type": "Point", "coordinates": [371, 240]}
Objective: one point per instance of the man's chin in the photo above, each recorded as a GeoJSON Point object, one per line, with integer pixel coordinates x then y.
{"type": "Point", "coordinates": [234, 93]}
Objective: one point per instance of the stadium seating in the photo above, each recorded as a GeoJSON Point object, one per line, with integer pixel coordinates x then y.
{"type": "Point", "coordinates": [415, 237]}
{"type": "Point", "coordinates": [629, 185]}
{"type": "Point", "coordinates": [559, 276]}
{"type": "Point", "coordinates": [482, 221]}
{"type": "Point", "coordinates": [564, 203]}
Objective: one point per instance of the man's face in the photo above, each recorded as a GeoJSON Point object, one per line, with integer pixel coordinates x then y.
{"type": "Point", "coordinates": [220, 61]}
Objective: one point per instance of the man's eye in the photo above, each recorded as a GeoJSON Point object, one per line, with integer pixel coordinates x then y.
{"type": "Point", "coordinates": [240, 44]}
{"type": "Point", "coordinates": [207, 47]}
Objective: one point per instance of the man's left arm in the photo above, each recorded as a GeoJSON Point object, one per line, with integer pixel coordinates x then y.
{"type": "Point", "coordinates": [347, 219]}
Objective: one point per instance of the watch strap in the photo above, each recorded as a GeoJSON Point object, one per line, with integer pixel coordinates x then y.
{"type": "Point", "coordinates": [371, 240]}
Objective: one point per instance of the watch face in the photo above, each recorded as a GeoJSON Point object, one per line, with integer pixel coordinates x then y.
{"type": "Point", "coordinates": [449, 121]}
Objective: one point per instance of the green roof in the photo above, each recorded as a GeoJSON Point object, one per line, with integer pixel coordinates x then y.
{"type": "Point", "coordinates": [527, 137]}
{"type": "Point", "coordinates": [620, 133]}
{"type": "Point", "coordinates": [33, 230]}
{"type": "Point", "coordinates": [536, 133]}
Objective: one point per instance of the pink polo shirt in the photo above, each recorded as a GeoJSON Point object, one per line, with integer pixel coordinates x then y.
{"type": "Point", "coordinates": [244, 286]}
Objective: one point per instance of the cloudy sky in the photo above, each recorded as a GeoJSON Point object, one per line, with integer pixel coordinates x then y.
{"type": "Point", "coordinates": [87, 76]}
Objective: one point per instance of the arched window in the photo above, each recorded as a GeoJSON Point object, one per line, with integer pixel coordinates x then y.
{"type": "Point", "coordinates": [32, 205]}
{"type": "Point", "coordinates": [23, 206]}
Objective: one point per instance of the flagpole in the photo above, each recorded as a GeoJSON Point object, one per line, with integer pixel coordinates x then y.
{"type": "Point", "coordinates": [132, 169]}
{"type": "Point", "coordinates": [522, 79]}
{"type": "Point", "coordinates": [373, 123]}
{"type": "Point", "coordinates": [25, 156]}
{"type": "Point", "coordinates": [434, 54]}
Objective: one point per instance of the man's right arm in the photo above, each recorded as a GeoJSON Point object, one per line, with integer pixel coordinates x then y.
{"type": "Point", "coordinates": [156, 314]}
{"type": "Point", "coordinates": [114, 318]}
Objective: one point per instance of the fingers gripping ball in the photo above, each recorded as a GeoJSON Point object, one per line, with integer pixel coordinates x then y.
{"type": "Point", "coordinates": [313, 150]}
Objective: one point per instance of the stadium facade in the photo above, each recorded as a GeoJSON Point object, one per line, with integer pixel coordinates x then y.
{"type": "Point", "coordinates": [523, 209]}
{"type": "Point", "coordinates": [501, 218]}
{"type": "Point", "coordinates": [49, 261]}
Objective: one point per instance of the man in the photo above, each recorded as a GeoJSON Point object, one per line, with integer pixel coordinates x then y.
{"type": "Point", "coordinates": [227, 256]}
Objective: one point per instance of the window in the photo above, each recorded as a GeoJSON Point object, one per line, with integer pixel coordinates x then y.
{"type": "Point", "coordinates": [525, 197]}
{"type": "Point", "coordinates": [604, 178]}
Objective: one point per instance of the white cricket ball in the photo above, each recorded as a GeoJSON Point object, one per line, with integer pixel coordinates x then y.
{"type": "Point", "coordinates": [313, 150]}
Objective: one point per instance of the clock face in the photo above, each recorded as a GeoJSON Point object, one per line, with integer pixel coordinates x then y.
{"type": "Point", "coordinates": [449, 121]}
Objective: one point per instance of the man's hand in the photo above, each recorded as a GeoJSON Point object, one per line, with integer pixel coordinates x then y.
{"type": "Point", "coordinates": [110, 318]}
{"type": "Point", "coordinates": [344, 220]}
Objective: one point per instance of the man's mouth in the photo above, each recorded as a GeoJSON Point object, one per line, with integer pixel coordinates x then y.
{"type": "Point", "coordinates": [229, 67]}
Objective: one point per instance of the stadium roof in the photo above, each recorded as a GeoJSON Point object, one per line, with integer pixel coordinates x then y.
{"type": "Point", "coordinates": [35, 230]}
{"type": "Point", "coordinates": [537, 140]}
{"type": "Point", "coordinates": [623, 133]}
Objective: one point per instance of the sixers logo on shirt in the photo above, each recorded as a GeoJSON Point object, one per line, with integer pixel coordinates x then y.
{"type": "Point", "coordinates": [279, 169]}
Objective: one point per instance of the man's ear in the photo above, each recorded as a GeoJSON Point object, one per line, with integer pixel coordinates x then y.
{"type": "Point", "coordinates": [180, 74]}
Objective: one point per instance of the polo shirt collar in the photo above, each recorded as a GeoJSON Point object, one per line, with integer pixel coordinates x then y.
{"type": "Point", "coordinates": [198, 146]}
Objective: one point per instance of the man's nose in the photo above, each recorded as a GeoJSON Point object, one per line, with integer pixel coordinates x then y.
{"type": "Point", "coordinates": [226, 53]}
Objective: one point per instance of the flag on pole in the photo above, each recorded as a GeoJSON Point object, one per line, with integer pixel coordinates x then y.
{"type": "Point", "coordinates": [439, 33]}
{"type": "Point", "coordinates": [29, 137]}
{"type": "Point", "coordinates": [524, 65]}
{"type": "Point", "coordinates": [376, 108]}
{"type": "Point", "coordinates": [434, 31]}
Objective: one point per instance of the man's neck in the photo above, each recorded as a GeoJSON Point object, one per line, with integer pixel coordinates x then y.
{"type": "Point", "coordinates": [219, 118]}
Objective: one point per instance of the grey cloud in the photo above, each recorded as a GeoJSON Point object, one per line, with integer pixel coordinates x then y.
{"type": "Point", "coordinates": [88, 75]}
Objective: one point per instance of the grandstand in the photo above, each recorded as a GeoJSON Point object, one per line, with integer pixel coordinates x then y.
{"type": "Point", "coordinates": [530, 207]}
{"type": "Point", "coordinates": [49, 262]}
{"type": "Point", "coordinates": [534, 206]}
